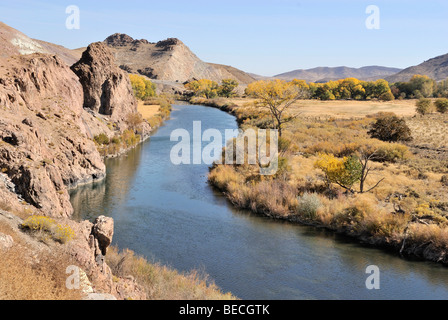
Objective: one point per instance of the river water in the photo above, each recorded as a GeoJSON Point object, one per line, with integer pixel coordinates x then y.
{"type": "Point", "coordinates": [169, 214]}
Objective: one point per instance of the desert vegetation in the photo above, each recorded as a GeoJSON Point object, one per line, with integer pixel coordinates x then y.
{"type": "Point", "coordinates": [379, 177]}
{"type": "Point", "coordinates": [161, 282]}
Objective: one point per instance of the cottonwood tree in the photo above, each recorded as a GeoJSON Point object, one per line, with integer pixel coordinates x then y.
{"type": "Point", "coordinates": [348, 171]}
{"type": "Point", "coordinates": [277, 96]}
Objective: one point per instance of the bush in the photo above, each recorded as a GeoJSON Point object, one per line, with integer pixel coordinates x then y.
{"type": "Point", "coordinates": [441, 105]}
{"type": "Point", "coordinates": [308, 205]}
{"type": "Point", "coordinates": [102, 139]}
{"type": "Point", "coordinates": [49, 226]}
{"type": "Point", "coordinates": [344, 172]}
{"type": "Point", "coordinates": [388, 96]}
{"type": "Point", "coordinates": [133, 120]}
{"type": "Point", "coordinates": [390, 128]}
{"type": "Point", "coordinates": [392, 152]}
{"type": "Point", "coordinates": [424, 106]}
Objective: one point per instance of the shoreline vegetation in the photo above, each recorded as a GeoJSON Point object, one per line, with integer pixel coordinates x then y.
{"type": "Point", "coordinates": [406, 213]}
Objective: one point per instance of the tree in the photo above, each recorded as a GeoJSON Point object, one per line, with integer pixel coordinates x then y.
{"type": "Point", "coordinates": [344, 172]}
{"type": "Point", "coordinates": [348, 171]}
{"type": "Point", "coordinates": [441, 105]}
{"type": "Point", "coordinates": [423, 106]}
{"type": "Point", "coordinates": [142, 87]}
{"type": "Point", "coordinates": [422, 86]}
{"type": "Point", "coordinates": [390, 128]}
{"type": "Point", "coordinates": [277, 96]}
{"type": "Point", "coordinates": [203, 88]}
{"type": "Point", "coordinates": [227, 88]}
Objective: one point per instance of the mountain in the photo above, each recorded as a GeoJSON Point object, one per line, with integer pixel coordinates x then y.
{"type": "Point", "coordinates": [435, 68]}
{"type": "Point", "coordinates": [167, 60]}
{"type": "Point", "coordinates": [325, 74]}
{"type": "Point", "coordinates": [14, 42]}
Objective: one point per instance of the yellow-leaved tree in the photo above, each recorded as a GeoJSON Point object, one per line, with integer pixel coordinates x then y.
{"type": "Point", "coordinates": [142, 87]}
{"type": "Point", "coordinates": [276, 96]}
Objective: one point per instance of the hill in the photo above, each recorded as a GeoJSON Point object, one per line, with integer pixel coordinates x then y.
{"type": "Point", "coordinates": [325, 74]}
{"type": "Point", "coordinates": [435, 68]}
{"type": "Point", "coordinates": [167, 60]}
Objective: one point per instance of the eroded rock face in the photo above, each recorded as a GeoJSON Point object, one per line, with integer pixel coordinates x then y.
{"type": "Point", "coordinates": [44, 146]}
{"type": "Point", "coordinates": [107, 88]}
{"type": "Point", "coordinates": [103, 231]}
{"type": "Point", "coordinates": [89, 251]}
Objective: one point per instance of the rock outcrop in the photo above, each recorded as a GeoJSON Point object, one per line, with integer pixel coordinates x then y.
{"type": "Point", "coordinates": [44, 148]}
{"type": "Point", "coordinates": [89, 251]}
{"type": "Point", "coordinates": [169, 60]}
{"type": "Point", "coordinates": [107, 88]}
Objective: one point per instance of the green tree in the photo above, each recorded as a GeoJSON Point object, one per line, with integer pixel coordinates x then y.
{"type": "Point", "coordinates": [227, 88]}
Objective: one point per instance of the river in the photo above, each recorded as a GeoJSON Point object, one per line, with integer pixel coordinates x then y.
{"type": "Point", "coordinates": [170, 214]}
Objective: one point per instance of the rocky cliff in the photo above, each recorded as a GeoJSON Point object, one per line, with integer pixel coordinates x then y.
{"type": "Point", "coordinates": [44, 148]}
{"type": "Point", "coordinates": [49, 116]}
{"type": "Point", "coordinates": [167, 60]}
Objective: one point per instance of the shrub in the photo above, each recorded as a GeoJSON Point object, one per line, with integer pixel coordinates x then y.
{"type": "Point", "coordinates": [344, 172]}
{"type": "Point", "coordinates": [38, 223]}
{"type": "Point", "coordinates": [441, 105]}
{"type": "Point", "coordinates": [387, 96]}
{"type": "Point", "coordinates": [101, 139]}
{"type": "Point", "coordinates": [444, 180]}
{"type": "Point", "coordinates": [390, 128]}
{"type": "Point", "coordinates": [130, 138]}
{"type": "Point", "coordinates": [392, 152]}
{"type": "Point", "coordinates": [49, 226]}
{"type": "Point", "coordinates": [63, 234]}
{"type": "Point", "coordinates": [133, 120]}
{"type": "Point", "coordinates": [424, 106]}
{"type": "Point", "coordinates": [308, 205]}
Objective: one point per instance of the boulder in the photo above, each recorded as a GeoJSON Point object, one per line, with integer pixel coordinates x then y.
{"type": "Point", "coordinates": [6, 242]}
{"type": "Point", "coordinates": [103, 231]}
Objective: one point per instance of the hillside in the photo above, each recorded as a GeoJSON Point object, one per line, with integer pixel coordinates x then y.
{"type": "Point", "coordinates": [168, 60]}
{"type": "Point", "coordinates": [14, 42]}
{"type": "Point", "coordinates": [435, 68]}
{"type": "Point", "coordinates": [324, 74]}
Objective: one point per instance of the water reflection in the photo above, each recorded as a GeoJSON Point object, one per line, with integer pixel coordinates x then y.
{"type": "Point", "coordinates": [170, 214]}
{"type": "Point", "coordinates": [93, 200]}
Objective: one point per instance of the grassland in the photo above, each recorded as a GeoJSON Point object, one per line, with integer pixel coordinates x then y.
{"type": "Point", "coordinates": [148, 111]}
{"type": "Point", "coordinates": [407, 212]}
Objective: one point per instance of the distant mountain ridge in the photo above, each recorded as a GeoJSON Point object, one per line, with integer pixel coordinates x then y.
{"type": "Point", "coordinates": [325, 74]}
{"type": "Point", "coordinates": [435, 68]}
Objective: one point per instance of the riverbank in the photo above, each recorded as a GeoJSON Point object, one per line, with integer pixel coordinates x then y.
{"type": "Point", "coordinates": [402, 215]}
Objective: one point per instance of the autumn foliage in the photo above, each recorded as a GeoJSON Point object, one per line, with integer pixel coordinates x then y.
{"type": "Point", "coordinates": [142, 87]}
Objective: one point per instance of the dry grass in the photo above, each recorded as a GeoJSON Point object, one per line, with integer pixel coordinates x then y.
{"type": "Point", "coordinates": [411, 195]}
{"type": "Point", "coordinates": [344, 109]}
{"type": "Point", "coordinates": [430, 131]}
{"type": "Point", "coordinates": [163, 283]}
{"type": "Point", "coordinates": [147, 111]}
{"type": "Point", "coordinates": [34, 278]}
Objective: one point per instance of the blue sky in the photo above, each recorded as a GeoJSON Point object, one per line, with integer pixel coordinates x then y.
{"type": "Point", "coordinates": [264, 37]}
